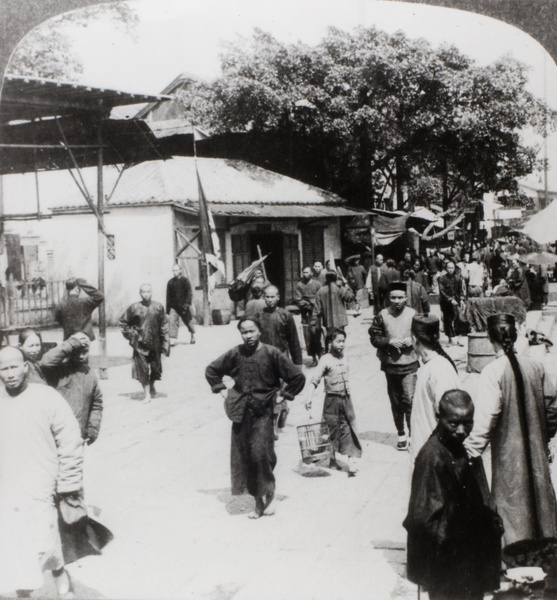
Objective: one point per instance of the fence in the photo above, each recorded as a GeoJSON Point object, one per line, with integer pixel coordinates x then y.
{"type": "Point", "coordinates": [30, 303]}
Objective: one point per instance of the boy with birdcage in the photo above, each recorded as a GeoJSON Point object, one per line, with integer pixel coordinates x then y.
{"type": "Point", "coordinates": [338, 410]}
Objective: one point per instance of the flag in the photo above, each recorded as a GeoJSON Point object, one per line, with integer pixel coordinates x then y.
{"type": "Point", "coordinates": [210, 244]}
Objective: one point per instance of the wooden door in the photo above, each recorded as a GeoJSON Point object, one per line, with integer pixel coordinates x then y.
{"type": "Point", "coordinates": [291, 255]}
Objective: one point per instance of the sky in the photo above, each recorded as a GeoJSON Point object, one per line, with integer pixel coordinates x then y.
{"type": "Point", "coordinates": [176, 36]}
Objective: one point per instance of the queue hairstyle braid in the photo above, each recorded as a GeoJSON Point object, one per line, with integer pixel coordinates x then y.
{"type": "Point", "coordinates": [503, 331]}
{"type": "Point", "coordinates": [439, 349]}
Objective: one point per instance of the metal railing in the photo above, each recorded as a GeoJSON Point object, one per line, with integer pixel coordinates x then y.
{"type": "Point", "coordinates": [30, 303]}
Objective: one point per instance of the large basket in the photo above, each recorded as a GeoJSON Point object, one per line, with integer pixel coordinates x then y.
{"type": "Point", "coordinates": [315, 442]}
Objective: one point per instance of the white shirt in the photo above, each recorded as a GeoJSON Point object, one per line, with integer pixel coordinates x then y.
{"type": "Point", "coordinates": [476, 274]}
{"type": "Point", "coordinates": [435, 377]}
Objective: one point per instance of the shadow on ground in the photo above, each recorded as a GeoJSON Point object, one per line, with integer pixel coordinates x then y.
{"type": "Point", "coordinates": [138, 396]}
{"type": "Point", "coordinates": [394, 553]}
{"type": "Point", "coordinates": [111, 361]}
{"type": "Point", "coordinates": [380, 437]}
{"type": "Point", "coordinates": [236, 505]}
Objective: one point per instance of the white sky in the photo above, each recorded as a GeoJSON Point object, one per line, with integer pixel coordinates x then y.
{"type": "Point", "coordinates": [186, 35]}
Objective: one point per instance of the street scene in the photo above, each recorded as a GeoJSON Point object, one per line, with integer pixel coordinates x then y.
{"type": "Point", "coordinates": [278, 302]}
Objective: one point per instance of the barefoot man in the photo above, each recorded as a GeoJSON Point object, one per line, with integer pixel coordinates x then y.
{"type": "Point", "coordinates": [257, 370]}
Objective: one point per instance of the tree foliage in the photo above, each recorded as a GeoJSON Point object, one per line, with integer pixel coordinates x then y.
{"type": "Point", "coordinates": [47, 50]}
{"type": "Point", "coordinates": [381, 119]}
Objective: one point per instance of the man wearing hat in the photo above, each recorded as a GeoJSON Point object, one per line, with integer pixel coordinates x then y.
{"type": "Point", "coordinates": [391, 334]}
{"type": "Point", "coordinates": [437, 375]}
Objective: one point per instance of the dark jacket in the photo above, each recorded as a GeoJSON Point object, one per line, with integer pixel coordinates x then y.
{"type": "Point", "coordinates": [78, 384]}
{"type": "Point", "coordinates": [74, 312]}
{"type": "Point", "coordinates": [178, 294]}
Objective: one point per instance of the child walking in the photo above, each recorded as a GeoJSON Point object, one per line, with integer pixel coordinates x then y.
{"type": "Point", "coordinates": [338, 410]}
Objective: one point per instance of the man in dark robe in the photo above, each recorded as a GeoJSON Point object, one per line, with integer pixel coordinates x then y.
{"type": "Point", "coordinates": [518, 284]}
{"type": "Point", "coordinates": [330, 303]}
{"type": "Point", "coordinates": [454, 540]}
{"type": "Point", "coordinates": [145, 325]}
{"type": "Point", "coordinates": [278, 329]}
{"type": "Point", "coordinates": [304, 298]}
{"type": "Point", "coordinates": [452, 295]}
{"type": "Point", "coordinates": [179, 298]}
{"type": "Point", "coordinates": [66, 369]}
{"type": "Point", "coordinates": [390, 275]}
{"type": "Point", "coordinates": [375, 273]}
{"type": "Point", "coordinates": [257, 370]}
{"type": "Point", "coordinates": [74, 312]}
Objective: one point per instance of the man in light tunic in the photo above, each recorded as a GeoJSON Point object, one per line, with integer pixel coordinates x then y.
{"type": "Point", "coordinates": [41, 456]}
{"type": "Point", "coordinates": [436, 375]}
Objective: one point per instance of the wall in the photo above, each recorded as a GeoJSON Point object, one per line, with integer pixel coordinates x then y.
{"type": "Point", "coordinates": [144, 251]}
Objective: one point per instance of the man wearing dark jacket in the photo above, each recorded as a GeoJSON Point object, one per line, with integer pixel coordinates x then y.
{"type": "Point", "coordinates": [74, 312]}
{"type": "Point", "coordinates": [178, 304]}
{"type": "Point", "coordinates": [67, 370]}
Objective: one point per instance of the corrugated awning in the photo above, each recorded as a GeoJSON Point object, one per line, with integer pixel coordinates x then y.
{"type": "Point", "coordinates": [27, 98]}
{"type": "Point", "coordinates": [284, 211]}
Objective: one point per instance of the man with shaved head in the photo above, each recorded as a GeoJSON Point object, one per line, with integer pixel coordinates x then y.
{"type": "Point", "coordinates": [145, 325]}
{"type": "Point", "coordinates": [278, 329]}
{"type": "Point", "coordinates": [41, 457]}
{"type": "Point", "coordinates": [454, 539]}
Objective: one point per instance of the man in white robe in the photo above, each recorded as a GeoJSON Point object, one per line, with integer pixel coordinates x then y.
{"type": "Point", "coordinates": [436, 376]}
{"type": "Point", "coordinates": [41, 456]}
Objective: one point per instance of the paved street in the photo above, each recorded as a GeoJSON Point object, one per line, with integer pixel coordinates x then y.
{"type": "Point", "coordinates": [159, 475]}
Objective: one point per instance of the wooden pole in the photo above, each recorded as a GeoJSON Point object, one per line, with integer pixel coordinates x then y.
{"type": "Point", "coordinates": [205, 244]}
{"type": "Point", "coordinates": [103, 374]}
{"type": "Point", "coordinates": [263, 263]}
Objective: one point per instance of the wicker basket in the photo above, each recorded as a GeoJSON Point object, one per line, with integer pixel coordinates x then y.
{"type": "Point", "coordinates": [315, 442]}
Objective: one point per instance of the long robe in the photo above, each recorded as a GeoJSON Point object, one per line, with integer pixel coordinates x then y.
{"type": "Point", "coordinates": [517, 484]}
{"type": "Point", "coordinates": [257, 378]}
{"type": "Point", "coordinates": [278, 329]}
{"type": "Point", "coordinates": [330, 305]}
{"type": "Point", "coordinates": [146, 328]}
{"type": "Point", "coordinates": [435, 377]}
{"type": "Point", "coordinates": [304, 298]}
{"type": "Point", "coordinates": [41, 454]}
{"type": "Point", "coordinates": [453, 538]}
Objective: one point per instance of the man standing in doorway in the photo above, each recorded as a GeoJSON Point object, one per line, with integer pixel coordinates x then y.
{"type": "Point", "coordinates": [391, 334]}
{"type": "Point", "coordinates": [74, 312]}
{"type": "Point", "coordinates": [178, 304]}
{"type": "Point", "coordinates": [145, 325]}
{"type": "Point", "coordinates": [318, 272]}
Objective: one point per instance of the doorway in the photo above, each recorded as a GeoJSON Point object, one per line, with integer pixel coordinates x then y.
{"type": "Point", "coordinates": [270, 243]}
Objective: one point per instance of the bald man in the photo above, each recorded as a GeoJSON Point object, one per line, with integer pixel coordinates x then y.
{"type": "Point", "coordinates": [41, 458]}
{"type": "Point", "coordinates": [145, 325]}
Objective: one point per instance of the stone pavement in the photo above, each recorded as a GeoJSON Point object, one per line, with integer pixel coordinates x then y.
{"type": "Point", "coordinates": [158, 477]}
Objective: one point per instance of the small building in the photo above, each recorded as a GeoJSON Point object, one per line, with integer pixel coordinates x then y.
{"type": "Point", "coordinates": [151, 209]}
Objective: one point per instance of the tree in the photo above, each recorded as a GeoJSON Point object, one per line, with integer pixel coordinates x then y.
{"type": "Point", "coordinates": [46, 51]}
{"type": "Point", "coordinates": [380, 119]}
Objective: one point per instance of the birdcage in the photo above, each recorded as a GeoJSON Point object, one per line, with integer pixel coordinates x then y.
{"type": "Point", "coordinates": [315, 442]}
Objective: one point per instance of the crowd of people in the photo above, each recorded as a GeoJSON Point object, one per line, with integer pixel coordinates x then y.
{"type": "Point", "coordinates": [456, 523]}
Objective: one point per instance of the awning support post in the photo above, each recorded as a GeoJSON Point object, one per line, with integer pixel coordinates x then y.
{"type": "Point", "coordinates": [103, 374]}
